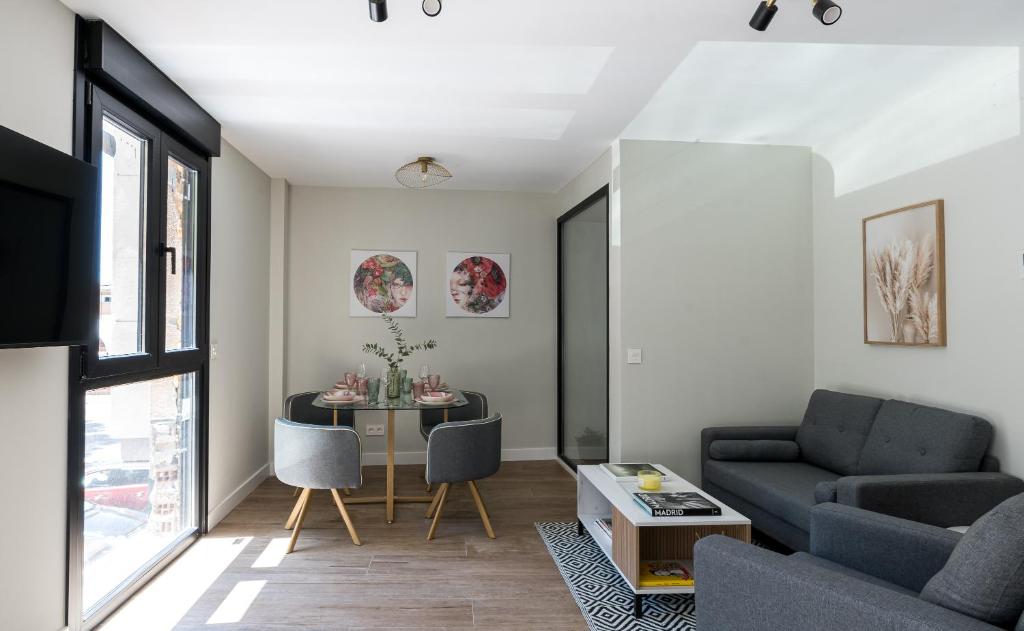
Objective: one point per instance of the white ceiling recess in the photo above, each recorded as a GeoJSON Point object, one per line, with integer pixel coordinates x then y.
{"type": "Point", "coordinates": [514, 95]}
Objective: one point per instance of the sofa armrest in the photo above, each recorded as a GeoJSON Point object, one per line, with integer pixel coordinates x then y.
{"type": "Point", "coordinates": [903, 552]}
{"type": "Point", "coordinates": [939, 499]}
{"type": "Point", "coordinates": [767, 432]}
{"type": "Point", "coordinates": [745, 588]}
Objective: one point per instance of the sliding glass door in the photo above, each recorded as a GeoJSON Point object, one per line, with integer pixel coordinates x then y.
{"type": "Point", "coordinates": [137, 391]}
{"type": "Point", "coordinates": [583, 332]}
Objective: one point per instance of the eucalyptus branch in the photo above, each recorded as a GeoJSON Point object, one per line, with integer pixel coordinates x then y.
{"type": "Point", "coordinates": [404, 349]}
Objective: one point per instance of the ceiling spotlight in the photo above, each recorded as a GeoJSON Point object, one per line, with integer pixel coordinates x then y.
{"type": "Point", "coordinates": [378, 10]}
{"type": "Point", "coordinates": [763, 15]}
{"type": "Point", "coordinates": [432, 7]}
{"type": "Point", "coordinates": [827, 12]}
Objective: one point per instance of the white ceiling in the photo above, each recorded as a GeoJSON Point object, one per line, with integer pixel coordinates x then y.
{"type": "Point", "coordinates": [511, 94]}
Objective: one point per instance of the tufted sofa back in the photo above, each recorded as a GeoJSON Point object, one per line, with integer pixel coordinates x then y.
{"type": "Point", "coordinates": [834, 430]}
{"type": "Point", "coordinates": [911, 438]}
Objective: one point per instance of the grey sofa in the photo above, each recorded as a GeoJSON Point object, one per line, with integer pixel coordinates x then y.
{"type": "Point", "coordinates": [920, 463]}
{"type": "Point", "coordinates": [865, 571]}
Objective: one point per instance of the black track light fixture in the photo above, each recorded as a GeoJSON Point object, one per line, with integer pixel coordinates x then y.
{"type": "Point", "coordinates": [432, 7]}
{"type": "Point", "coordinates": [826, 11]}
{"type": "Point", "coordinates": [378, 10]}
{"type": "Point", "coordinates": [763, 15]}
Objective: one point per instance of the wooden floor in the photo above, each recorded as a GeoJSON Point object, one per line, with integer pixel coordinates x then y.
{"type": "Point", "coordinates": [396, 579]}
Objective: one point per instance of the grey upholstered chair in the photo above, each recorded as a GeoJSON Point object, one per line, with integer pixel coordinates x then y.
{"type": "Point", "coordinates": [462, 451]}
{"type": "Point", "coordinates": [432, 417]}
{"type": "Point", "coordinates": [299, 408]}
{"type": "Point", "coordinates": [317, 458]}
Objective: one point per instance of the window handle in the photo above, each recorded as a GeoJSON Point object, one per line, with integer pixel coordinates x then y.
{"type": "Point", "coordinates": [174, 257]}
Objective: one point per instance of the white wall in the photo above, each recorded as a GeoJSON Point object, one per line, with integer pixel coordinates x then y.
{"type": "Point", "coordinates": [239, 324]}
{"type": "Point", "coordinates": [511, 360]}
{"type": "Point", "coordinates": [980, 370]}
{"type": "Point", "coordinates": [34, 382]}
{"type": "Point", "coordinates": [716, 290]}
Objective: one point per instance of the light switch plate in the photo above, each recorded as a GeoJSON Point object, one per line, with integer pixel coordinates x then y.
{"type": "Point", "coordinates": [213, 351]}
{"type": "Point", "coordinates": [374, 430]}
{"type": "Point", "coordinates": [634, 356]}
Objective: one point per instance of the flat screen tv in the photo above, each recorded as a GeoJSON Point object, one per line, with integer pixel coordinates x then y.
{"type": "Point", "coordinates": [49, 236]}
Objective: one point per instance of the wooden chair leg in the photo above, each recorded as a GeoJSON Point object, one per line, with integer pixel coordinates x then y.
{"type": "Point", "coordinates": [437, 513]}
{"type": "Point", "coordinates": [296, 491]}
{"type": "Point", "coordinates": [437, 498]}
{"type": "Point", "coordinates": [298, 522]}
{"type": "Point", "coordinates": [345, 517]}
{"type": "Point", "coordinates": [481, 508]}
{"type": "Point", "coordinates": [303, 498]}
{"type": "Point", "coordinates": [347, 490]}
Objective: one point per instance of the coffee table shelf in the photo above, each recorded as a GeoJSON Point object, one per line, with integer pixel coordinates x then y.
{"type": "Point", "coordinates": [637, 536]}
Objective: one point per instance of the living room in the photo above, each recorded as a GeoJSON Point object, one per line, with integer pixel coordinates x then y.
{"type": "Point", "coordinates": [742, 234]}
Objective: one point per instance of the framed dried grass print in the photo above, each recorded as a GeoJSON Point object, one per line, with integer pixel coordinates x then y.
{"type": "Point", "coordinates": [905, 276]}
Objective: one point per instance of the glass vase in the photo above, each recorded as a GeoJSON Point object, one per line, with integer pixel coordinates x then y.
{"type": "Point", "coordinates": [394, 389]}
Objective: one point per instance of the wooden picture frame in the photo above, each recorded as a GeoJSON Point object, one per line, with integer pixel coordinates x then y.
{"type": "Point", "coordinates": [904, 272]}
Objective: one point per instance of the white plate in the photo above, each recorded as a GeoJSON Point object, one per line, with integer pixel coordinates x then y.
{"type": "Point", "coordinates": [359, 399]}
{"type": "Point", "coordinates": [445, 402]}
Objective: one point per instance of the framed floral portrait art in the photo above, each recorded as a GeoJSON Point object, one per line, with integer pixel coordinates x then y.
{"type": "Point", "coordinates": [477, 285]}
{"type": "Point", "coordinates": [382, 281]}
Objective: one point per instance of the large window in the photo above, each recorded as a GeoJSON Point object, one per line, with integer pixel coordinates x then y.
{"type": "Point", "coordinates": [137, 397]}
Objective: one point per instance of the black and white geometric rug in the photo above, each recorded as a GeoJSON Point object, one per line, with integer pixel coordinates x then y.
{"type": "Point", "coordinates": [602, 594]}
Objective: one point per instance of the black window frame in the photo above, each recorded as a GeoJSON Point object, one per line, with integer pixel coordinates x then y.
{"type": "Point", "coordinates": [112, 76]}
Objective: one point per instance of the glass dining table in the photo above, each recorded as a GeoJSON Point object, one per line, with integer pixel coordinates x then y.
{"type": "Point", "coordinates": [403, 403]}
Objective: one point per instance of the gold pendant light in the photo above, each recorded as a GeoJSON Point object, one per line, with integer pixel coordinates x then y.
{"type": "Point", "coordinates": [423, 173]}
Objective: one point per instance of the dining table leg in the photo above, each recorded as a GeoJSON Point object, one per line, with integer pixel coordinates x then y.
{"type": "Point", "coordinates": [391, 467]}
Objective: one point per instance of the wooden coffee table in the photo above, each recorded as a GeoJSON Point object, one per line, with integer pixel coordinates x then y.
{"type": "Point", "coordinates": [636, 536]}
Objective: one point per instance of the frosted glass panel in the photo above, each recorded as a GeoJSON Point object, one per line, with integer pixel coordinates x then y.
{"type": "Point", "coordinates": [584, 338]}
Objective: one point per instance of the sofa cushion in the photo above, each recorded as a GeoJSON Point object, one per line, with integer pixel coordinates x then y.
{"type": "Point", "coordinates": [784, 489]}
{"type": "Point", "coordinates": [826, 492]}
{"type": "Point", "coordinates": [804, 558]}
{"type": "Point", "coordinates": [754, 450]}
{"type": "Point", "coordinates": [834, 429]}
{"type": "Point", "coordinates": [984, 577]}
{"type": "Point", "coordinates": [910, 438]}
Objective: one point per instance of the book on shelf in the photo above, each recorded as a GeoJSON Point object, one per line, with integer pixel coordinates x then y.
{"type": "Point", "coordinates": [666, 574]}
{"type": "Point", "coordinates": [678, 504]}
{"type": "Point", "coordinates": [623, 472]}
{"type": "Point", "coordinates": [605, 525]}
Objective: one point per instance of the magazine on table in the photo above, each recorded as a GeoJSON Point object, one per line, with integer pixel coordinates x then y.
{"type": "Point", "coordinates": [677, 504]}
{"type": "Point", "coordinates": [626, 472]}
{"type": "Point", "coordinates": [666, 574]}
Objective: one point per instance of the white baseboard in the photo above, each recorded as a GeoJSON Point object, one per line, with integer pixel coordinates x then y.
{"type": "Point", "coordinates": [420, 457]}
{"type": "Point", "coordinates": [235, 497]}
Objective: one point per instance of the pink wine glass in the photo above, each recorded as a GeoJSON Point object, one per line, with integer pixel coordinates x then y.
{"type": "Point", "coordinates": [434, 381]}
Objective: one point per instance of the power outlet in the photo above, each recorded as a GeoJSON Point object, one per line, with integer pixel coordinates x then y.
{"type": "Point", "coordinates": [374, 430]}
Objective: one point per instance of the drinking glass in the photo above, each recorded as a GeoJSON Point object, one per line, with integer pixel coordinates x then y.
{"type": "Point", "coordinates": [417, 390]}
{"type": "Point", "coordinates": [361, 373]}
{"type": "Point", "coordinates": [434, 381]}
{"type": "Point", "coordinates": [372, 390]}
{"type": "Point", "coordinates": [424, 372]}
{"type": "Point", "coordinates": [361, 385]}
{"type": "Point", "coordinates": [350, 379]}
{"type": "Point", "coordinates": [407, 385]}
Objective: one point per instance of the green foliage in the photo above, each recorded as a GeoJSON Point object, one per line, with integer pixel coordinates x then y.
{"type": "Point", "coordinates": [404, 349]}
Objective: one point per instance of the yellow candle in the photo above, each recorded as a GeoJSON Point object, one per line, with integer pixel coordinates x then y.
{"type": "Point", "coordinates": [649, 480]}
